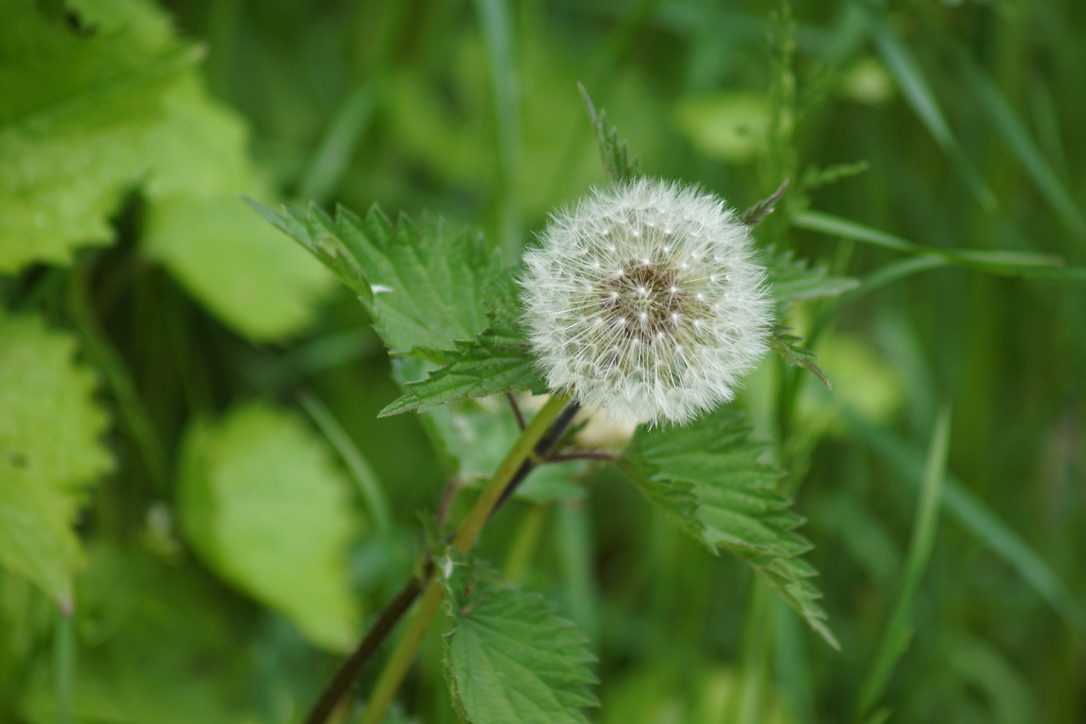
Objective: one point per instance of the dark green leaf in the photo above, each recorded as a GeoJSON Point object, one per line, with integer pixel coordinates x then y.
{"type": "Point", "coordinates": [613, 148]}
{"type": "Point", "coordinates": [787, 345]}
{"type": "Point", "coordinates": [708, 477]}
{"type": "Point", "coordinates": [492, 364]}
{"type": "Point", "coordinates": [422, 284]}
{"type": "Point", "coordinates": [511, 658]}
{"type": "Point", "coordinates": [793, 281]}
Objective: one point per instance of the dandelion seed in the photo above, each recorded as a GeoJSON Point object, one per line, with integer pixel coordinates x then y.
{"type": "Point", "coordinates": [671, 331]}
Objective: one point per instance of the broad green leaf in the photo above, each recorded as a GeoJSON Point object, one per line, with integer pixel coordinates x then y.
{"type": "Point", "coordinates": [422, 284]}
{"type": "Point", "coordinates": [199, 230]}
{"type": "Point", "coordinates": [614, 151]}
{"type": "Point", "coordinates": [76, 107]}
{"type": "Point", "coordinates": [708, 477]}
{"type": "Point", "coordinates": [793, 281]}
{"type": "Point", "coordinates": [262, 504]}
{"type": "Point", "coordinates": [49, 452]}
{"type": "Point", "coordinates": [788, 346]}
{"type": "Point", "coordinates": [511, 658]}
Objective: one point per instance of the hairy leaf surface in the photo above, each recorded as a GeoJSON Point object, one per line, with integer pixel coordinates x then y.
{"type": "Point", "coordinates": [708, 477]}
{"type": "Point", "coordinates": [511, 658]}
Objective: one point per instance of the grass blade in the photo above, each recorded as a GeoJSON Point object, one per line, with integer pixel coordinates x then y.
{"type": "Point", "coordinates": [1021, 144]}
{"type": "Point", "coordinates": [898, 632]}
{"type": "Point", "coordinates": [1030, 265]}
{"type": "Point", "coordinates": [920, 97]}
{"type": "Point", "coordinates": [976, 517]}
{"type": "Point", "coordinates": [498, 38]}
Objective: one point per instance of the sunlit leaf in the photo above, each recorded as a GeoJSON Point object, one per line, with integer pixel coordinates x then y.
{"type": "Point", "coordinates": [76, 106]}
{"type": "Point", "coordinates": [49, 452]}
{"type": "Point", "coordinates": [265, 508]}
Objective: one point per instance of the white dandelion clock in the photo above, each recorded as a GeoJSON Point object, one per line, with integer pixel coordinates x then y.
{"type": "Point", "coordinates": [643, 301]}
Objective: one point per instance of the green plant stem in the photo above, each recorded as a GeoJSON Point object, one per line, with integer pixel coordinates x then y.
{"type": "Point", "coordinates": [496, 491]}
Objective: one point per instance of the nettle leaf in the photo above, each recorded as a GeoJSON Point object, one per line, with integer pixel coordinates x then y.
{"type": "Point", "coordinates": [614, 150]}
{"type": "Point", "coordinates": [510, 657]}
{"type": "Point", "coordinates": [76, 104]}
{"type": "Point", "coordinates": [707, 476]}
{"type": "Point", "coordinates": [494, 363]}
{"type": "Point", "coordinates": [422, 284]}
{"type": "Point", "coordinates": [49, 452]}
{"type": "Point", "coordinates": [262, 503]}
{"type": "Point", "coordinates": [226, 257]}
{"type": "Point", "coordinates": [498, 361]}
{"type": "Point", "coordinates": [792, 280]}
{"type": "Point", "coordinates": [788, 346]}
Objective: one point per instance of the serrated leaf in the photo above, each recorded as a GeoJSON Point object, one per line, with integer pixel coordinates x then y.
{"type": "Point", "coordinates": [264, 507]}
{"type": "Point", "coordinates": [49, 451]}
{"type": "Point", "coordinates": [708, 477]}
{"type": "Point", "coordinates": [614, 150]}
{"type": "Point", "coordinates": [196, 227]}
{"type": "Point", "coordinates": [492, 364]}
{"type": "Point", "coordinates": [787, 345]}
{"type": "Point", "coordinates": [423, 285]}
{"type": "Point", "coordinates": [511, 658]}
{"type": "Point", "coordinates": [76, 105]}
{"type": "Point", "coordinates": [793, 281]}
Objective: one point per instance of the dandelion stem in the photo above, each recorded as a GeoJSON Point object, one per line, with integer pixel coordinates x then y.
{"type": "Point", "coordinates": [541, 434]}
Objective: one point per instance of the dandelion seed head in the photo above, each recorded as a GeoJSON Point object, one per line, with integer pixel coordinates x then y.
{"type": "Point", "coordinates": [667, 310]}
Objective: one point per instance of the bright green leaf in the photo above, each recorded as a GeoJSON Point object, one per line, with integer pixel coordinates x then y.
{"type": "Point", "coordinates": [265, 508]}
{"type": "Point", "coordinates": [198, 228]}
{"type": "Point", "coordinates": [49, 451]}
{"type": "Point", "coordinates": [708, 477]}
{"type": "Point", "coordinates": [511, 658]}
{"type": "Point", "coordinates": [76, 105]}
{"type": "Point", "coordinates": [422, 284]}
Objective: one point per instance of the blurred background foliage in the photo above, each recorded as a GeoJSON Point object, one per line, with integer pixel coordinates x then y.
{"type": "Point", "coordinates": [191, 402]}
